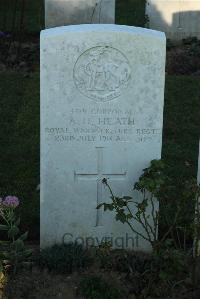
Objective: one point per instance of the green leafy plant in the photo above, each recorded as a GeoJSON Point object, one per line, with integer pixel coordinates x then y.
{"type": "Point", "coordinates": [169, 261]}
{"type": "Point", "coordinates": [132, 262]}
{"type": "Point", "coordinates": [150, 185]}
{"type": "Point", "coordinates": [13, 250]}
{"type": "Point", "coordinates": [103, 254]}
{"type": "Point", "coordinates": [170, 253]}
{"type": "Point", "coordinates": [155, 187]}
{"type": "Point", "coordinates": [94, 287]}
{"type": "Point", "coordinates": [64, 258]}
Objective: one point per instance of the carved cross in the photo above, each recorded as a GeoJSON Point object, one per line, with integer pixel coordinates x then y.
{"type": "Point", "coordinates": [98, 177]}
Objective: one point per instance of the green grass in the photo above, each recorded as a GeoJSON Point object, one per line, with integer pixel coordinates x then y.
{"type": "Point", "coordinates": [19, 139]}
{"type": "Point", "coordinates": [19, 136]}
{"type": "Point", "coordinates": [182, 125]}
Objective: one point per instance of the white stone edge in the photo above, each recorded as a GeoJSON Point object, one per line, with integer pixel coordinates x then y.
{"type": "Point", "coordinates": [56, 31]}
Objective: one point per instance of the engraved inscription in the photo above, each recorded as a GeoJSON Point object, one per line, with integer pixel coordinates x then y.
{"type": "Point", "coordinates": [95, 125]}
{"type": "Point", "coordinates": [147, 135]}
{"type": "Point", "coordinates": [104, 125]}
{"type": "Point", "coordinates": [102, 73]}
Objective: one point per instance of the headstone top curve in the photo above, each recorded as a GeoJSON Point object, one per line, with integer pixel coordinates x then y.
{"type": "Point", "coordinates": [100, 28]}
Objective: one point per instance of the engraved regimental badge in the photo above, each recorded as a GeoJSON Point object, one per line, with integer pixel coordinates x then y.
{"type": "Point", "coordinates": [102, 73]}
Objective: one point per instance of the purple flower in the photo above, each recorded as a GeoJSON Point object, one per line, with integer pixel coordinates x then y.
{"type": "Point", "coordinates": [10, 201]}
{"type": "Point", "coordinates": [2, 34]}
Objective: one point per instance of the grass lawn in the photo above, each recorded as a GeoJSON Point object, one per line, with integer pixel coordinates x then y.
{"type": "Point", "coordinates": [19, 136]}
{"type": "Point", "coordinates": [19, 139]}
{"type": "Point", "coordinates": [182, 125]}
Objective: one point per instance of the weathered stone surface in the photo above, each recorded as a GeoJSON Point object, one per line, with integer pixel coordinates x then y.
{"type": "Point", "coordinates": [102, 90]}
{"type": "Point", "coordinates": [72, 12]}
{"type": "Point", "coordinates": [177, 18]}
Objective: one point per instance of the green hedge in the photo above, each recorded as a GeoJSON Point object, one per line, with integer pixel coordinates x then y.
{"type": "Point", "coordinates": [182, 125]}
{"type": "Point", "coordinates": [130, 12]}
{"type": "Point", "coordinates": [33, 19]}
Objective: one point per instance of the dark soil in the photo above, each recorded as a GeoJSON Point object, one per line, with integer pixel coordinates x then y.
{"type": "Point", "coordinates": [37, 284]}
{"type": "Point", "coordinates": [132, 280]}
{"type": "Point", "coordinates": [41, 285]}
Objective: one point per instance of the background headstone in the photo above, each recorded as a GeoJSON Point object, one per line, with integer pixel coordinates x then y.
{"type": "Point", "coordinates": [72, 12]}
{"type": "Point", "coordinates": [177, 18]}
{"type": "Point", "coordinates": [102, 91]}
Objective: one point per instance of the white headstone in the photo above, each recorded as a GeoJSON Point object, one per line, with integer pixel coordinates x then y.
{"type": "Point", "coordinates": [72, 12]}
{"type": "Point", "coordinates": [102, 90]}
{"type": "Point", "coordinates": [177, 18]}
